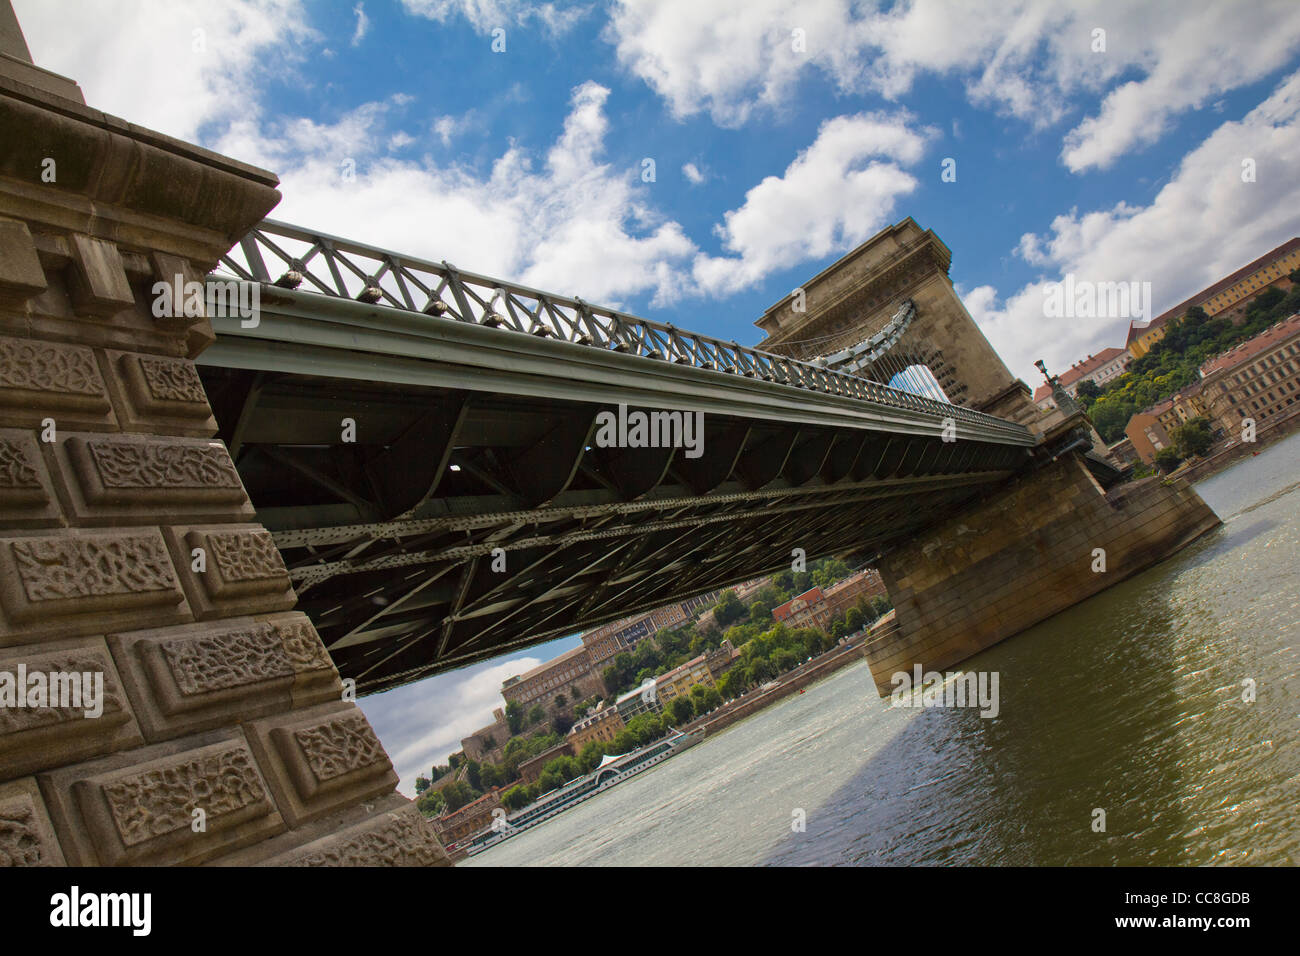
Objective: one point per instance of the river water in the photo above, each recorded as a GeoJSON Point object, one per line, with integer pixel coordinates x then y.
{"type": "Point", "coordinates": [1130, 703]}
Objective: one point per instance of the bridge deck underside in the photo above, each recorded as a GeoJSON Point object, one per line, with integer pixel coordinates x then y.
{"type": "Point", "coordinates": [391, 539]}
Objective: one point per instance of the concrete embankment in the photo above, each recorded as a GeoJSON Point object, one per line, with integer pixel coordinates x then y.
{"type": "Point", "coordinates": [790, 683]}
{"type": "Point", "coordinates": [1268, 434]}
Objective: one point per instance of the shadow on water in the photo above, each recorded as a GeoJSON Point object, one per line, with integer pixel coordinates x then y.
{"type": "Point", "coordinates": [1128, 703]}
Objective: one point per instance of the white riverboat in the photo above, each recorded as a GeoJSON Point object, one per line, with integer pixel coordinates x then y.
{"type": "Point", "coordinates": [611, 771]}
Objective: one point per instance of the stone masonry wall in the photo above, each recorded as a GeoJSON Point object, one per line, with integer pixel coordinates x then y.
{"type": "Point", "coordinates": [1022, 555]}
{"type": "Point", "coordinates": [129, 548]}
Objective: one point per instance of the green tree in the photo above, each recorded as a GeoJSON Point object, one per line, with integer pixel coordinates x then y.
{"type": "Point", "coordinates": [758, 671]}
{"type": "Point", "coordinates": [516, 798]}
{"type": "Point", "coordinates": [705, 698]}
{"type": "Point", "coordinates": [1087, 391]}
{"type": "Point", "coordinates": [784, 659]}
{"type": "Point", "coordinates": [421, 784]}
{"type": "Point", "coordinates": [854, 619]}
{"type": "Point", "coordinates": [729, 609]}
{"type": "Point", "coordinates": [561, 701]}
{"type": "Point", "coordinates": [536, 715]}
{"type": "Point", "coordinates": [456, 794]}
{"type": "Point", "coordinates": [590, 755]}
{"type": "Point", "coordinates": [431, 803]}
{"type": "Point", "coordinates": [1193, 437]}
{"type": "Point", "coordinates": [514, 716]}
{"type": "Point", "coordinates": [1167, 459]}
{"type": "Point", "coordinates": [679, 711]}
{"type": "Point", "coordinates": [473, 774]}
{"type": "Point", "coordinates": [1110, 417]}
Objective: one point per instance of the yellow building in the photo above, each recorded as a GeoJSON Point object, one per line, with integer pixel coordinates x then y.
{"type": "Point", "coordinates": [680, 680]}
{"type": "Point", "coordinates": [1228, 297]}
{"type": "Point", "coordinates": [602, 724]}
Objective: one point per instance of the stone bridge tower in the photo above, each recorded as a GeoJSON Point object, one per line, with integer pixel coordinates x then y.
{"type": "Point", "coordinates": [858, 295]}
{"type": "Point", "coordinates": [128, 547]}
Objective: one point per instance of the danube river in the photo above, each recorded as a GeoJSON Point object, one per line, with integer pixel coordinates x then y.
{"type": "Point", "coordinates": [1130, 702]}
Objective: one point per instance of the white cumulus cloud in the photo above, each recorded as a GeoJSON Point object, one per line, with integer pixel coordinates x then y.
{"type": "Point", "coordinates": [835, 195]}
{"type": "Point", "coordinates": [1038, 60]}
{"type": "Point", "coordinates": [1203, 224]}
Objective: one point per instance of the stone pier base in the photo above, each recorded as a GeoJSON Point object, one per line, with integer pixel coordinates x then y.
{"type": "Point", "coordinates": [131, 559]}
{"type": "Point", "coordinates": [1022, 555]}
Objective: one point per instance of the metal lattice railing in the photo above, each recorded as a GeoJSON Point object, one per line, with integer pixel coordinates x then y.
{"type": "Point", "coordinates": [328, 265]}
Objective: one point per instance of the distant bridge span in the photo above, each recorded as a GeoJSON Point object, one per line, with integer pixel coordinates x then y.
{"type": "Point", "coordinates": [475, 403]}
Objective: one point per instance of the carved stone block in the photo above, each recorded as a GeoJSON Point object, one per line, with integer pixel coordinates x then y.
{"type": "Point", "coordinates": [58, 727]}
{"type": "Point", "coordinates": [85, 582]}
{"type": "Point", "coordinates": [138, 807]}
{"type": "Point", "coordinates": [27, 498]}
{"type": "Point", "coordinates": [44, 380]}
{"type": "Point", "coordinates": [26, 834]}
{"type": "Point", "coordinates": [200, 676]}
{"type": "Point", "coordinates": [129, 479]}
{"type": "Point", "coordinates": [97, 279]}
{"type": "Point", "coordinates": [156, 394]}
{"type": "Point", "coordinates": [321, 759]}
{"type": "Point", "coordinates": [231, 570]}
{"type": "Point", "coordinates": [21, 275]}
{"type": "Point", "coordinates": [396, 838]}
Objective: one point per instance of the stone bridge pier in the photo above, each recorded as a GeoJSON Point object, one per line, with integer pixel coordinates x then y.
{"type": "Point", "coordinates": [1048, 540]}
{"type": "Point", "coordinates": [128, 549]}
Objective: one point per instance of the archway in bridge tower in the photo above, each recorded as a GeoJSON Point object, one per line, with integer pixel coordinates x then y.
{"type": "Point", "coordinates": [918, 380]}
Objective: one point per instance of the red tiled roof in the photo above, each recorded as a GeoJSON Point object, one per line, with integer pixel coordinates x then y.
{"type": "Point", "coordinates": [781, 611]}
{"type": "Point", "coordinates": [1079, 370]}
{"type": "Point", "coordinates": [1266, 340]}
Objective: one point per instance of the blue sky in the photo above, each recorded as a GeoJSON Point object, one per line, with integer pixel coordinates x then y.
{"type": "Point", "coordinates": [782, 134]}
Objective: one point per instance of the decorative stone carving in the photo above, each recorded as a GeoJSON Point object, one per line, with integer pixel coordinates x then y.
{"type": "Point", "coordinates": [26, 836]}
{"type": "Point", "coordinates": [246, 557]}
{"type": "Point", "coordinates": [16, 471]}
{"type": "Point", "coordinates": [162, 465]}
{"type": "Point", "coordinates": [55, 569]}
{"type": "Point", "coordinates": [320, 760]}
{"type": "Point", "coordinates": [243, 572]}
{"type": "Point", "coordinates": [237, 657]}
{"type": "Point", "coordinates": [171, 380]}
{"type": "Point", "coordinates": [27, 498]}
{"type": "Point", "coordinates": [40, 380]}
{"type": "Point", "coordinates": [34, 737]}
{"type": "Point", "coordinates": [162, 800]}
{"type": "Point", "coordinates": [79, 582]}
{"type": "Point", "coordinates": [127, 478]}
{"type": "Point", "coordinates": [402, 838]}
{"type": "Point", "coordinates": [20, 842]}
{"type": "Point", "coordinates": [204, 676]}
{"type": "Point", "coordinates": [335, 748]}
{"type": "Point", "coordinates": [138, 807]}
{"type": "Point", "coordinates": [156, 394]}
